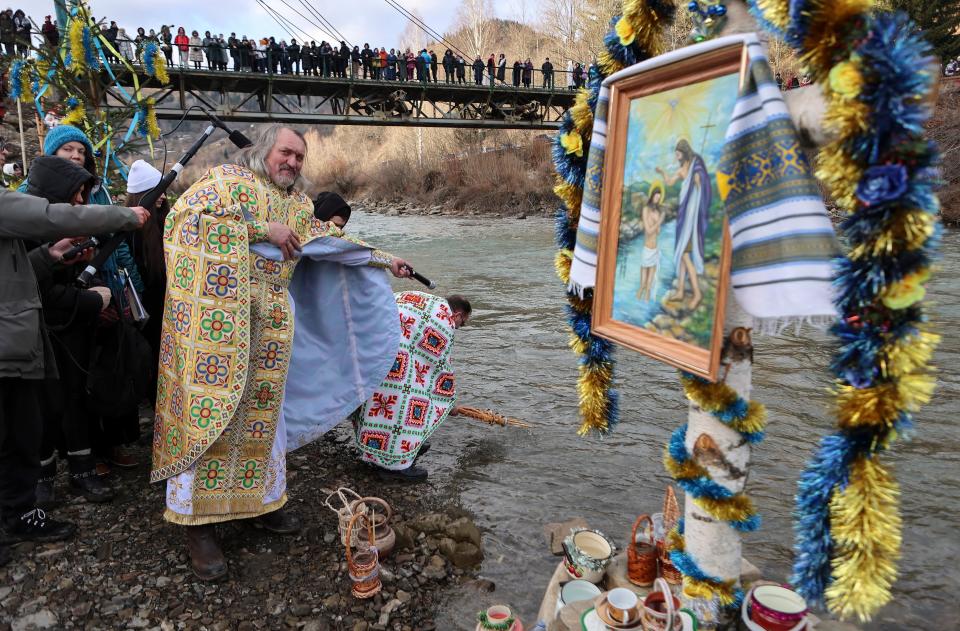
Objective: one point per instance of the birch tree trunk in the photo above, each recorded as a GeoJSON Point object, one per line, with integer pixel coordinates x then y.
{"type": "Point", "coordinates": [714, 545]}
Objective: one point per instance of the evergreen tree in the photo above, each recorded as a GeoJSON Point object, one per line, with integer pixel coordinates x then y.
{"type": "Point", "coordinates": [940, 21]}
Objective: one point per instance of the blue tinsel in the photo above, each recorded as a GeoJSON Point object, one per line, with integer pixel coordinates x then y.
{"type": "Point", "coordinates": [89, 51]}
{"type": "Point", "coordinates": [16, 75]}
{"type": "Point", "coordinates": [150, 50]}
{"type": "Point", "coordinates": [565, 236]}
{"type": "Point", "coordinates": [688, 567]}
{"type": "Point", "coordinates": [736, 411]}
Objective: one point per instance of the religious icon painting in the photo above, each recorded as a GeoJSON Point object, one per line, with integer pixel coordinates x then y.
{"type": "Point", "coordinates": [663, 256]}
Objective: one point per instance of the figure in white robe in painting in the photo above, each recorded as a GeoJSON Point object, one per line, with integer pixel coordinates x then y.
{"type": "Point", "coordinates": [693, 214]}
{"type": "Point", "coordinates": [652, 217]}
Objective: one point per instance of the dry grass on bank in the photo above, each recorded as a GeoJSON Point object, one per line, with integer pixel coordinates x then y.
{"type": "Point", "coordinates": [944, 129]}
{"type": "Point", "coordinates": [494, 172]}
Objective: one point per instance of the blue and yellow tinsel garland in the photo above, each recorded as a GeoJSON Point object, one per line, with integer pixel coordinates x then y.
{"type": "Point", "coordinates": [876, 73]}
{"type": "Point", "coordinates": [638, 37]}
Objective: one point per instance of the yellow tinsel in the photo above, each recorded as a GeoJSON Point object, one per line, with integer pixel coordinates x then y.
{"type": "Point", "coordinates": [845, 117]}
{"type": "Point", "coordinates": [906, 231]}
{"type": "Point", "coordinates": [153, 129]}
{"type": "Point", "coordinates": [840, 174]}
{"type": "Point", "coordinates": [739, 507]}
{"type": "Point", "coordinates": [160, 69]}
{"type": "Point", "coordinates": [713, 397]}
{"type": "Point", "coordinates": [607, 64]}
{"type": "Point", "coordinates": [646, 26]}
{"type": "Point", "coordinates": [571, 196]}
{"type": "Point", "coordinates": [572, 143]}
{"type": "Point", "coordinates": [26, 84]}
{"type": "Point", "coordinates": [908, 353]}
{"type": "Point", "coordinates": [865, 526]}
{"type": "Point", "coordinates": [577, 345]}
{"type": "Point", "coordinates": [826, 33]}
{"type": "Point", "coordinates": [777, 12]}
{"type": "Point", "coordinates": [593, 387]}
{"type": "Point", "coordinates": [880, 406]}
{"type": "Point", "coordinates": [845, 79]}
{"type": "Point", "coordinates": [75, 115]}
{"type": "Point", "coordinates": [724, 591]}
{"type": "Point", "coordinates": [561, 263]}
{"type": "Point", "coordinates": [581, 113]}
{"type": "Point", "coordinates": [78, 58]}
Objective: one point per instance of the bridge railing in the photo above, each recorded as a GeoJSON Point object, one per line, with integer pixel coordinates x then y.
{"type": "Point", "coordinates": [284, 62]}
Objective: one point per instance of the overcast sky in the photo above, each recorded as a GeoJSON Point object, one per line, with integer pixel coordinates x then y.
{"type": "Point", "coordinates": [373, 21]}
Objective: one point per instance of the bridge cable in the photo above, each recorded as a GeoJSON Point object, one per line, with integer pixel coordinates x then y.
{"type": "Point", "coordinates": [310, 21]}
{"type": "Point", "coordinates": [429, 31]}
{"type": "Point", "coordinates": [305, 34]}
{"type": "Point", "coordinates": [314, 11]}
{"type": "Point", "coordinates": [276, 18]}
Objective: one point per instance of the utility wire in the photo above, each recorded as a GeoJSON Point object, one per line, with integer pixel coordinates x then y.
{"type": "Point", "coordinates": [281, 19]}
{"type": "Point", "coordinates": [423, 26]}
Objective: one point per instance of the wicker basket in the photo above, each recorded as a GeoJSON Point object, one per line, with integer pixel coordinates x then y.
{"type": "Point", "coordinates": [641, 556]}
{"type": "Point", "coordinates": [344, 513]}
{"type": "Point", "coordinates": [364, 566]}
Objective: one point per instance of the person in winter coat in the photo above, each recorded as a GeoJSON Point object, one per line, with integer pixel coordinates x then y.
{"type": "Point", "coordinates": [570, 82]}
{"type": "Point", "coordinates": [527, 73]}
{"type": "Point", "coordinates": [166, 43]}
{"type": "Point", "coordinates": [344, 59]}
{"type": "Point", "coordinates": [449, 66]}
{"type": "Point", "coordinates": [26, 357]}
{"type": "Point", "coordinates": [196, 50]}
{"type": "Point", "coordinates": [502, 68]}
{"type": "Point", "coordinates": [224, 52]}
{"type": "Point", "coordinates": [425, 66]}
{"type": "Point", "coordinates": [411, 64]}
{"type": "Point", "coordinates": [183, 45]}
{"type": "Point", "coordinates": [51, 35]}
{"type": "Point", "coordinates": [461, 70]}
{"type": "Point", "coordinates": [124, 44]}
{"type": "Point", "coordinates": [66, 141]}
{"type": "Point", "coordinates": [491, 69]}
{"type": "Point", "coordinates": [577, 76]}
{"type": "Point", "coordinates": [211, 49]}
{"type": "Point", "coordinates": [517, 72]}
{"type": "Point", "coordinates": [433, 65]}
{"type": "Point", "coordinates": [365, 56]}
{"type": "Point", "coordinates": [391, 72]}
{"type": "Point", "coordinates": [21, 27]}
{"type": "Point", "coordinates": [547, 70]}
{"type": "Point", "coordinates": [478, 70]}
{"type": "Point", "coordinates": [8, 34]}
{"type": "Point", "coordinates": [294, 51]}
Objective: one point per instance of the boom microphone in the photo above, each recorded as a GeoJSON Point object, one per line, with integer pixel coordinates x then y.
{"type": "Point", "coordinates": [236, 137]}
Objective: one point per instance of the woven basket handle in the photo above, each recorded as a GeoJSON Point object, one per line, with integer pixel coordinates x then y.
{"type": "Point", "coordinates": [636, 524]}
{"type": "Point", "coordinates": [664, 587]}
{"type": "Point", "coordinates": [342, 494]}
{"type": "Point", "coordinates": [372, 500]}
{"type": "Point", "coordinates": [353, 520]}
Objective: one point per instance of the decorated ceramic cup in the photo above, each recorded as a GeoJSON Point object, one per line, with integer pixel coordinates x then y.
{"type": "Point", "coordinates": [777, 608]}
{"type": "Point", "coordinates": [587, 553]}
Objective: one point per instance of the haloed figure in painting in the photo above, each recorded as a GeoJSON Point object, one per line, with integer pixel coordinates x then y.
{"type": "Point", "coordinates": [693, 215]}
{"type": "Point", "coordinates": [652, 217]}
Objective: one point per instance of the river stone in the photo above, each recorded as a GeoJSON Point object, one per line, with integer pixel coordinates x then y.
{"type": "Point", "coordinates": [465, 555]}
{"type": "Point", "coordinates": [43, 619]}
{"type": "Point", "coordinates": [557, 531]}
{"type": "Point", "coordinates": [464, 529]}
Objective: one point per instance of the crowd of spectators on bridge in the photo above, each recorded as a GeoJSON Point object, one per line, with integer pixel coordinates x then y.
{"type": "Point", "coordinates": [187, 48]}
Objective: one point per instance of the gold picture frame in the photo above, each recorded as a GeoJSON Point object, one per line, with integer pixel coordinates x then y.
{"type": "Point", "coordinates": [663, 272]}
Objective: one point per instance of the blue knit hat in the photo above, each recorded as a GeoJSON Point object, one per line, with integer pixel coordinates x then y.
{"type": "Point", "coordinates": [61, 135]}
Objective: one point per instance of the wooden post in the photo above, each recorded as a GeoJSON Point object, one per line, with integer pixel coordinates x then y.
{"type": "Point", "coordinates": [714, 545]}
{"type": "Point", "coordinates": [23, 144]}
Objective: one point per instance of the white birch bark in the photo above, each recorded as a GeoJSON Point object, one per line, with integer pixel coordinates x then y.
{"type": "Point", "coordinates": [714, 545]}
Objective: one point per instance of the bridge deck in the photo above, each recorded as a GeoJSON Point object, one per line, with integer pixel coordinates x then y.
{"type": "Point", "coordinates": [257, 97]}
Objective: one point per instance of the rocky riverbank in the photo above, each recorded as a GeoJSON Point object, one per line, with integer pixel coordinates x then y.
{"type": "Point", "coordinates": [128, 569]}
{"type": "Point", "coordinates": [397, 208]}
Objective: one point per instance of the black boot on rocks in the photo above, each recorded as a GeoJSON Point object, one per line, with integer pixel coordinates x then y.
{"type": "Point", "coordinates": [279, 522]}
{"type": "Point", "coordinates": [84, 479]}
{"type": "Point", "coordinates": [206, 557]}
{"type": "Point", "coordinates": [46, 497]}
{"type": "Point", "coordinates": [34, 525]}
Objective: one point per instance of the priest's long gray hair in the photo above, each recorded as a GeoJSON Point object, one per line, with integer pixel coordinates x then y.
{"type": "Point", "coordinates": [254, 157]}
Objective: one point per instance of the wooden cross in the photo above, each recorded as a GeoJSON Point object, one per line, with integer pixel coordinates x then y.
{"type": "Point", "coordinates": [705, 129]}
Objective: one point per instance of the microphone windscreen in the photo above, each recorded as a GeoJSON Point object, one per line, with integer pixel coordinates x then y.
{"type": "Point", "coordinates": [239, 139]}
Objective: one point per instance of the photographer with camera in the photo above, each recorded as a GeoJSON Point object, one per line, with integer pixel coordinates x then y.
{"type": "Point", "coordinates": [26, 356]}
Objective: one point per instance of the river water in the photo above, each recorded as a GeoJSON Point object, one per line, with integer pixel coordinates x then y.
{"type": "Point", "coordinates": [513, 357]}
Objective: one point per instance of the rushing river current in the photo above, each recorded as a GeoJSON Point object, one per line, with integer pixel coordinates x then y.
{"type": "Point", "coordinates": [513, 357]}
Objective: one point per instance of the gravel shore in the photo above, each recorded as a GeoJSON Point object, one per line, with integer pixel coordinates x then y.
{"type": "Point", "coordinates": [128, 569]}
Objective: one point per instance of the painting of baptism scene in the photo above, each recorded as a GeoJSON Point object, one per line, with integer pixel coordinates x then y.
{"type": "Point", "coordinates": [671, 220]}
